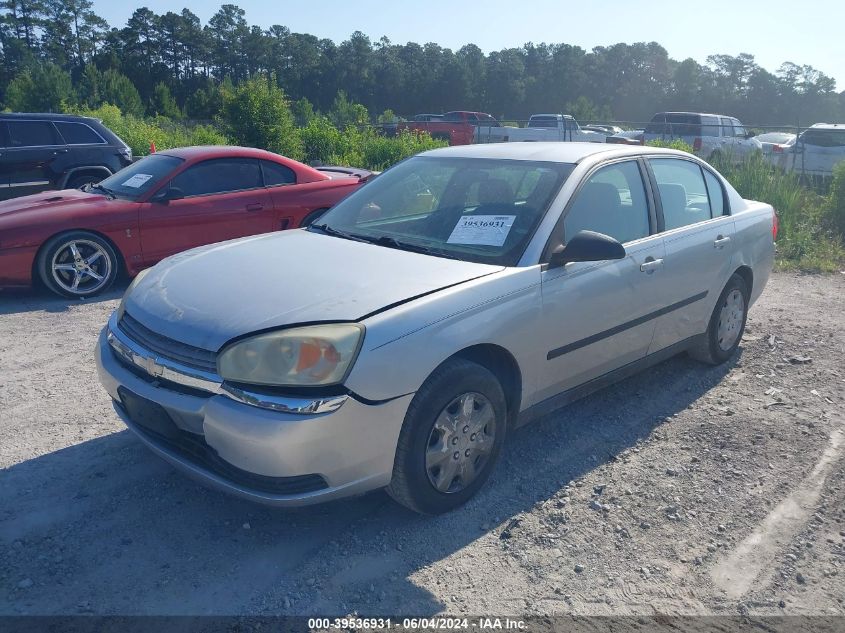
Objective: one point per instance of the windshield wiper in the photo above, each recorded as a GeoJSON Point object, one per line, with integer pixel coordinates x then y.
{"type": "Point", "coordinates": [109, 193]}
{"type": "Point", "coordinates": [325, 228]}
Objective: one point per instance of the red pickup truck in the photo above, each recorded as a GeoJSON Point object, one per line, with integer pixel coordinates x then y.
{"type": "Point", "coordinates": [457, 127]}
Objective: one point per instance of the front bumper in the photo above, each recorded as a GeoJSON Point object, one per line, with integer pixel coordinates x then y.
{"type": "Point", "coordinates": [271, 457]}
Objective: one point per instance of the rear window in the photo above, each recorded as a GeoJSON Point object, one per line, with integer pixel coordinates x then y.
{"type": "Point", "coordinates": [78, 133]}
{"type": "Point", "coordinates": [543, 121]}
{"type": "Point", "coordinates": [32, 133]}
{"type": "Point", "coordinates": [824, 138]}
{"type": "Point", "coordinates": [276, 174]}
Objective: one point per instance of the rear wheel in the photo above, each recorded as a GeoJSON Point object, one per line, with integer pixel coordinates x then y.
{"type": "Point", "coordinates": [727, 323]}
{"type": "Point", "coordinates": [78, 264]}
{"type": "Point", "coordinates": [451, 438]}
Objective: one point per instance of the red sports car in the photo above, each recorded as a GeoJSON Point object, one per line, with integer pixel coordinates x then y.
{"type": "Point", "coordinates": [76, 241]}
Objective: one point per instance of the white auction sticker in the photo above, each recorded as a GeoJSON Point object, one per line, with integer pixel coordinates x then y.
{"type": "Point", "coordinates": [137, 180]}
{"type": "Point", "coordinates": [486, 230]}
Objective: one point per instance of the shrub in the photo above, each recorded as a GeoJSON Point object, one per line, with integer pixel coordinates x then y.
{"type": "Point", "coordinates": [360, 147]}
{"type": "Point", "coordinates": [673, 144]}
{"type": "Point", "coordinates": [138, 133]}
{"type": "Point", "coordinates": [256, 114]}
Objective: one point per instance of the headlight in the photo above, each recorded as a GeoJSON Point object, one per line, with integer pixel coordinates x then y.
{"type": "Point", "coordinates": [313, 355]}
{"type": "Point", "coordinates": [122, 306]}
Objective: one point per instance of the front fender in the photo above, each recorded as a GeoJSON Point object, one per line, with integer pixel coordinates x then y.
{"type": "Point", "coordinates": [404, 345]}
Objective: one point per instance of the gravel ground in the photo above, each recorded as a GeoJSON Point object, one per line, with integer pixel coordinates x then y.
{"type": "Point", "coordinates": [684, 490]}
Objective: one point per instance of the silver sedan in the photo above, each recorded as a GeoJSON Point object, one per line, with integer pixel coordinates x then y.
{"type": "Point", "coordinates": [462, 293]}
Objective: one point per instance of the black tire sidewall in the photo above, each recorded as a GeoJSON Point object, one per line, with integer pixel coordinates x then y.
{"type": "Point", "coordinates": [49, 250]}
{"type": "Point", "coordinates": [718, 354]}
{"type": "Point", "coordinates": [447, 384]}
{"type": "Point", "coordinates": [77, 181]}
{"type": "Point", "coordinates": [312, 217]}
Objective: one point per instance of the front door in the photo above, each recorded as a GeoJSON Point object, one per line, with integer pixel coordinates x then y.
{"type": "Point", "coordinates": [598, 316]}
{"type": "Point", "coordinates": [215, 200]}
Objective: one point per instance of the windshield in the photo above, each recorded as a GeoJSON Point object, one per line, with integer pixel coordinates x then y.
{"type": "Point", "coordinates": [134, 181]}
{"type": "Point", "coordinates": [479, 210]}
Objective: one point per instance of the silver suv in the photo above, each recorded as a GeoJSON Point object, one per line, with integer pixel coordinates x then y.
{"type": "Point", "coordinates": [816, 151]}
{"type": "Point", "coordinates": [708, 134]}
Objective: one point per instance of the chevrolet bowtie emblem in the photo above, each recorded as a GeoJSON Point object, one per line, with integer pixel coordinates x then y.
{"type": "Point", "coordinates": [151, 366]}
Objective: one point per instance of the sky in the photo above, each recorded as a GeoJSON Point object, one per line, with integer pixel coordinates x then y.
{"type": "Point", "coordinates": [774, 31]}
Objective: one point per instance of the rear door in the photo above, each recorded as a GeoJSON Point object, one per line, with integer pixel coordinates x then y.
{"type": "Point", "coordinates": [597, 316]}
{"type": "Point", "coordinates": [698, 237]}
{"type": "Point", "coordinates": [223, 198]}
{"type": "Point", "coordinates": [34, 146]}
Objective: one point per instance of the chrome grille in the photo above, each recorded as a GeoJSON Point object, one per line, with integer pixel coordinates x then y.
{"type": "Point", "coordinates": [168, 348]}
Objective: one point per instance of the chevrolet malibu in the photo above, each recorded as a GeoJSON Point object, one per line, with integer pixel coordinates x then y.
{"type": "Point", "coordinates": [397, 342]}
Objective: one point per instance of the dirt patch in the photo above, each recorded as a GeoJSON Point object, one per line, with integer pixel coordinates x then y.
{"type": "Point", "coordinates": [685, 489]}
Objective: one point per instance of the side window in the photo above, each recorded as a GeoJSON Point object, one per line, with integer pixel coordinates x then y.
{"type": "Point", "coordinates": [727, 127]}
{"type": "Point", "coordinates": [78, 133]}
{"type": "Point", "coordinates": [613, 202]}
{"type": "Point", "coordinates": [218, 175]}
{"type": "Point", "coordinates": [32, 134]}
{"type": "Point", "coordinates": [716, 193]}
{"type": "Point", "coordinates": [709, 126]}
{"type": "Point", "coordinates": [277, 174]}
{"type": "Point", "coordinates": [683, 193]}
{"type": "Point", "coordinates": [739, 130]}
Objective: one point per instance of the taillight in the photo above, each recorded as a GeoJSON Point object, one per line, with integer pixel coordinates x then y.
{"type": "Point", "coordinates": [696, 144]}
{"type": "Point", "coordinates": [775, 225]}
{"type": "Point", "coordinates": [777, 149]}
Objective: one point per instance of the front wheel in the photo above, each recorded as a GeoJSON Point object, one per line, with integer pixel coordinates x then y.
{"type": "Point", "coordinates": [727, 323]}
{"type": "Point", "coordinates": [77, 264]}
{"type": "Point", "coordinates": [451, 438]}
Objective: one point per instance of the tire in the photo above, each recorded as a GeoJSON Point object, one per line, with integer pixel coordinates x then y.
{"type": "Point", "coordinates": [726, 325]}
{"type": "Point", "coordinates": [94, 270]}
{"type": "Point", "coordinates": [471, 448]}
{"type": "Point", "coordinates": [312, 217]}
{"type": "Point", "coordinates": [75, 182]}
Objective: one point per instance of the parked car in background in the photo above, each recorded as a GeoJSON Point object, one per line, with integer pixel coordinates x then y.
{"type": "Point", "coordinates": [774, 144]}
{"type": "Point", "coordinates": [816, 150]}
{"type": "Point", "coordinates": [427, 117]}
{"type": "Point", "coordinates": [541, 127]}
{"type": "Point", "coordinates": [56, 151]}
{"type": "Point", "coordinates": [607, 130]}
{"type": "Point", "coordinates": [707, 134]}
{"type": "Point", "coordinates": [398, 344]}
{"type": "Point", "coordinates": [76, 241]}
{"type": "Point", "coordinates": [457, 127]}
{"type": "Point", "coordinates": [626, 137]}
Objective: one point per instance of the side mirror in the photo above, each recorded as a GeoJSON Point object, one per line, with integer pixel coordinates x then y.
{"type": "Point", "coordinates": [587, 246]}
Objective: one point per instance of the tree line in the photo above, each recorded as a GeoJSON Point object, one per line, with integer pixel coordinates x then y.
{"type": "Point", "coordinates": [59, 52]}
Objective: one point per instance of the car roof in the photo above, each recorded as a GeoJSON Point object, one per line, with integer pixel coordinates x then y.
{"type": "Point", "coordinates": [549, 151]}
{"type": "Point", "coordinates": [217, 151]}
{"type": "Point", "coordinates": [727, 116]}
{"type": "Point", "coordinates": [47, 116]}
{"type": "Point", "coordinates": [828, 126]}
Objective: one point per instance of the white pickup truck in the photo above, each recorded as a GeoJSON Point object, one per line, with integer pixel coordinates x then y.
{"type": "Point", "coordinates": [541, 127]}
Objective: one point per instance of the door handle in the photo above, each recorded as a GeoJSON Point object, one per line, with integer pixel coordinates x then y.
{"type": "Point", "coordinates": [650, 265]}
{"type": "Point", "coordinates": [59, 151]}
{"type": "Point", "coordinates": [254, 207]}
{"type": "Point", "coordinates": [721, 240]}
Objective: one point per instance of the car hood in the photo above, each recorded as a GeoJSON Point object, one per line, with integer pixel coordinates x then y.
{"type": "Point", "coordinates": [50, 201]}
{"type": "Point", "coordinates": [207, 296]}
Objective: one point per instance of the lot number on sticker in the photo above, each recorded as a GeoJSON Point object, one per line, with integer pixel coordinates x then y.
{"type": "Point", "coordinates": [485, 230]}
{"type": "Point", "coordinates": [137, 180]}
